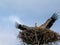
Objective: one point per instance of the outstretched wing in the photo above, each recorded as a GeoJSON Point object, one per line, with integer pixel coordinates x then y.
{"type": "Point", "coordinates": [23, 27]}
{"type": "Point", "coordinates": [48, 24]}
{"type": "Point", "coordinates": [53, 19]}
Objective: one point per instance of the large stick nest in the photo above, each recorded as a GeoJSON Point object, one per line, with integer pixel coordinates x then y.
{"type": "Point", "coordinates": [38, 36]}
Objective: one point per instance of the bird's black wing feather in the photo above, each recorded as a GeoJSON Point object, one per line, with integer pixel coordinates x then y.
{"type": "Point", "coordinates": [53, 19]}
{"type": "Point", "coordinates": [23, 27]}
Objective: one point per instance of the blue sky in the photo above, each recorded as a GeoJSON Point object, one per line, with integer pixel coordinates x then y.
{"type": "Point", "coordinates": [25, 12]}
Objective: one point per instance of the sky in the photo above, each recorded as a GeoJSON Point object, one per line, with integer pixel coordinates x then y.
{"type": "Point", "coordinates": [27, 12]}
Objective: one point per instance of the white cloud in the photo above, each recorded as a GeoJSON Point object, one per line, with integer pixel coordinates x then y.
{"type": "Point", "coordinates": [8, 33]}
{"type": "Point", "coordinates": [8, 38]}
{"type": "Point", "coordinates": [15, 19]}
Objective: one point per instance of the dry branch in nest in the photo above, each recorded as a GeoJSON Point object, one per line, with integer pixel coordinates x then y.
{"type": "Point", "coordinates": [39, 36]}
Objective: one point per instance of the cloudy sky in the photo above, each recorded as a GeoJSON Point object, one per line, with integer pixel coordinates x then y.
{"type": "Point", "coordinates": [25, 12]}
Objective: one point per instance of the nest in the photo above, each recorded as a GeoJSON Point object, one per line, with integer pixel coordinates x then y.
{"type": "Point", "coordinates": [38, 36]}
